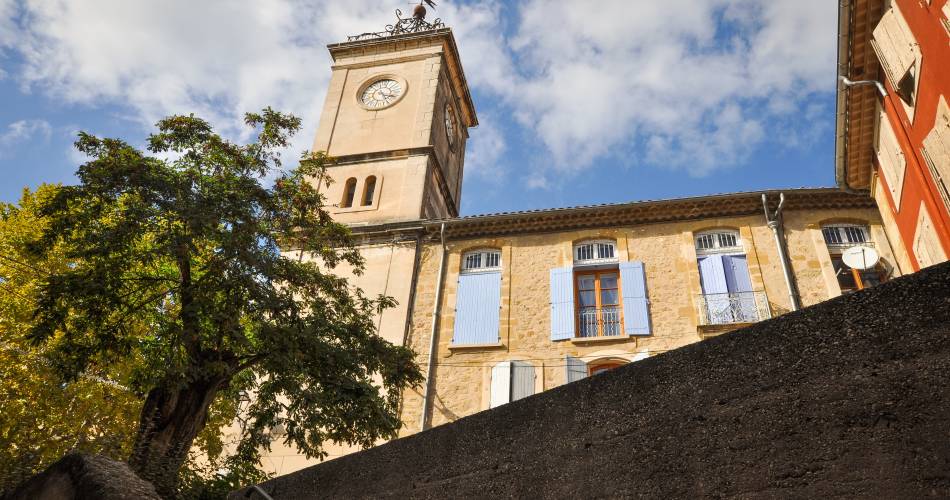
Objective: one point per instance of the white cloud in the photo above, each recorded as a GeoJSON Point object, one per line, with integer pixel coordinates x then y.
{"type": "Point", "coordinates": [7, 25]}
{"type": "Point", "coordinates": [484, 150]}
{"type": "Point", "coordinates": [23, 131]}
{"type": "Point", "coordinates": [699, 83]}
{"type": "Point", "coordinates": [693, 84]}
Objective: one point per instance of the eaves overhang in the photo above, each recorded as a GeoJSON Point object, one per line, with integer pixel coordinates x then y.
{"type": "Point", "coordinates": [644, 212]}
{"type": "Point", "coordinates": [856, 108]}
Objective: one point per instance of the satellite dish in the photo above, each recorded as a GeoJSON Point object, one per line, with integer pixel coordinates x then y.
{"type": "Point", "coordinates": [860, 257]}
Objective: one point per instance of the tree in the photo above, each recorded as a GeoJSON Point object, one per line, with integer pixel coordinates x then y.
{"type": "Point", "coordinates": [176, 261]}
{"type": "Point", "coordinates": [43, 418]}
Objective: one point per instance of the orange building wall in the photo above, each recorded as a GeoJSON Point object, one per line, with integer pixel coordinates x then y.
{"type": "Point", "coordinates": [925, 22]}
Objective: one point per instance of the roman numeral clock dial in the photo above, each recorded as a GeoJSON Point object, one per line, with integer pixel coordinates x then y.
{"type": "Point", "coordinates": [381, 93]}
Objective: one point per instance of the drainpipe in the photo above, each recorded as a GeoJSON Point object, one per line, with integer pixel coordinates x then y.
{"type": "Point", "coordinates": [778, 230]}
{"type": "Point", "coordinates": [432, 335]}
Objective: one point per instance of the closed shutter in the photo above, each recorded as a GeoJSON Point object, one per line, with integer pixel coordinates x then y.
{"type": "Point", "coordinates": [477, 308]}
{"type": "Point", "coordinates": [937, 151]}
{"type": "Point", "coordinates": [500, 384]}
{"type": "Point", "coordinates": [522, 380]}
{"type": "Point", "coordinates": [927, 247]}
{"type": "Point", "coordinates": [891, 159]}
{"type": "Point", "coordinates": [636, 310]}
{"type": "Point", "coordinates": [576, 369]}
{"type": "Point", "coordinates": [562, 303]}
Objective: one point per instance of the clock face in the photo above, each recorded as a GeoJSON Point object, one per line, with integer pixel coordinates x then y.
{"type": "Point", "coordinates": [450, 124]}
{"type": "Point", "coordinates": [381, 93]}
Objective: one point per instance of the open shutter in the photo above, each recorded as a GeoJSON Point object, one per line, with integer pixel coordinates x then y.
{"type": "Point", "coordinates": [562, 303]}
{"type": "Point", "coordinates": [576, 369]}
{"type": "Point", "coordinates": [477, 307]}
{"type": "Point", "coordinates": [712, 275]}
{"type": "Point", "coordinates": [500, 384]}
{"type": "Point", "coordinates": [522, 380]}
{"type": "Point", "coordinates": [636, 310]}
{"type": "Point", "coordinates": [740, 288]}
{"type": "Point", "coordinates": [894, 44]}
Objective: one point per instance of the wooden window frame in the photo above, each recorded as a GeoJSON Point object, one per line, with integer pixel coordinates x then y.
{"type": "Point", "coordinates": [349, 193]}
{"type": "Point", "coordinates": [856, 274]}
{"type": "Point", "coordinates": [369, 191]}
{"type": "Point", "coordinates": [604, 366]}
{"type": "Point", "coordinates": [597, 300]}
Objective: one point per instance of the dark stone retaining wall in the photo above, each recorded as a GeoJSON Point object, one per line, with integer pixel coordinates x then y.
{"type": "Point", "coordinates": [849, 398]}
{"type": "Point", "coordinates": [82, 477]}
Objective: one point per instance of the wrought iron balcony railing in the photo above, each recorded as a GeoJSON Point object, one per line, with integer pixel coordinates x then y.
{"type": "Point", "coordinates": [603, 322]}
{"type": "Point", "coordinates": [732, 308]}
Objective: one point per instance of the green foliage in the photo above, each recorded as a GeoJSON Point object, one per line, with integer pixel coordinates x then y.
{"type": "Point", "coordinates": [175, 269]}
{"type": "Point", "coordinates": [43, 417]}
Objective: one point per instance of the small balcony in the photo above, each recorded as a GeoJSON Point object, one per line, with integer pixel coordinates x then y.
{"type": "Point", "coordinates": [733, 308]}
{"type": "Point", "coordinates": [599, 322]}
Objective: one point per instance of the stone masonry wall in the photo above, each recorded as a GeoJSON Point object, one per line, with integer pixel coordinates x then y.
{"type": "Point", "coordinates": [462, 376]}
{"type": "Point", "coordinates": [844, 399]}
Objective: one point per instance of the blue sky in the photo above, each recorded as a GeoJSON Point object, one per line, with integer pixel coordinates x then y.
{"type": "Point", "coordinates": [579, 102]}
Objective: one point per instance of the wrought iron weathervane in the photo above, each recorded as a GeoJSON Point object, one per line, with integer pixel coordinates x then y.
{"type": "Point", "coordinates": [413, 24]}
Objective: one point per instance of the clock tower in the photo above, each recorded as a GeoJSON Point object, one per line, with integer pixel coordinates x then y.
{"type": "Point", "coordinates": [396, 120]}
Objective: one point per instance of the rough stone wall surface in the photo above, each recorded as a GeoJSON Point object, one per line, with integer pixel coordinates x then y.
{"type": "Point", "coordinates": [461, 379]}
{"type": "Point", "coordinates": [84, 477]}
{"type": "Point", "coordinates": [844, 399]}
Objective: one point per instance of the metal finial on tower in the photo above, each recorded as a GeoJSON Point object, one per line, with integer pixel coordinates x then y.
{"type": "Point", "coordinates": [415, 24]}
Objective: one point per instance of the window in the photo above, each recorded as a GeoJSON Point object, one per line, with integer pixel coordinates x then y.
{"type": "Point", "coordinates": [718, 241]}
{"type": "Point", "coordinates": [845, 235]}
{"type": "Point", "coordinates": [369, 190]}
{"type": "Point", "coordinates": [511, 381]}
{"type": "Point", "coordinates": [840, 237]}
{"type": "Point", "coordinates": [595, 252]}
{"type": "Point", "coordinates": [478, 299]}
{"type": "Point", "coordinates": [604, 366]}
{"type": "Point", "coordinates": [481, 260]}
{"type": "Point", "coordinates": [598, 305]}
{"type": "Point", "coordinates": [607, 301]}
{"type": "Point", "coordinates": [349, 191]}
{"type": "Point", "coordinates": [936, 150]}
{"type": "Point", "coordinates": [727, 296]}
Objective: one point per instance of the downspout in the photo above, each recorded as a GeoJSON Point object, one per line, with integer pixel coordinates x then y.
{"type": "Point", "coordinates": [778, 230]}
{"type": "Point", "coordinates": [433, 344]}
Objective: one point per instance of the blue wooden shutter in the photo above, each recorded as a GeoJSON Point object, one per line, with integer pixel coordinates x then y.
{"type": "Point", "coordinates": [636, 310]}
{"type": "Point", "coordinates": [715, 289]}
{"type": "Point", "coordinates": [562, 303]}
{"type": "Point", "coordinates": [576, 369]}
{"type": "Point", "coordinates": [737, 273]}
{"type": "Point", "coordinates": [522, 380]}
{"type": "Point", "coordinates": [740, 288]}
{"type": "Point", "coordinates": [477, 307]}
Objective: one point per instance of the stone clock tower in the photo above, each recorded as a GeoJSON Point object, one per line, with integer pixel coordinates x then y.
{"type": "Point", "coordinates": [396, 118]}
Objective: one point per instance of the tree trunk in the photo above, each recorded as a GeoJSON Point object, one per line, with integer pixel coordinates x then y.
{"type": "Point", "coordinates": [171, 418]}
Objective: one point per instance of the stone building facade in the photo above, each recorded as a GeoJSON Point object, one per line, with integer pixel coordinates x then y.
{"type": "Point", "coordinates": [502, 306]}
